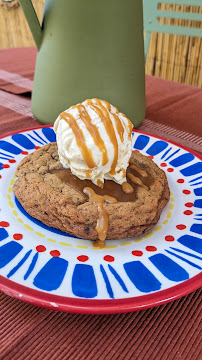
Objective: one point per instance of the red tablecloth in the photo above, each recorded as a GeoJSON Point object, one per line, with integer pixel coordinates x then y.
{"type": "Point", "coordinates": [171, 331]}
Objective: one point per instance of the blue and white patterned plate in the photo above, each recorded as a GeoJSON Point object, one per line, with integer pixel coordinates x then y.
{"type": "Point", "coordinates": [49, 268]}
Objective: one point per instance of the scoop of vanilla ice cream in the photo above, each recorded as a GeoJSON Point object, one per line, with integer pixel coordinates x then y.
{"type": "Point", "coordinates": [94, 140]}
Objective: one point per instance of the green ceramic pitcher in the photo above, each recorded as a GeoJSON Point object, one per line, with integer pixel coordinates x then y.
{"type": "Point", "coordinates": [87, 49]}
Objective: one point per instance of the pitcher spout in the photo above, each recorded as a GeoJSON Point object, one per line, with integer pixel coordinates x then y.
{"type": "Point", "coordinates": [33, 21]}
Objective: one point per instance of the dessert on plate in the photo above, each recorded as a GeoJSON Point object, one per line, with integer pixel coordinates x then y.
{"type": "Point", "coordinates": [90, 183]}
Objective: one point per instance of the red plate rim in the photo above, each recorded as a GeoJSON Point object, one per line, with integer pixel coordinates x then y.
{"type": "Point", "coordinates": [88, 306]}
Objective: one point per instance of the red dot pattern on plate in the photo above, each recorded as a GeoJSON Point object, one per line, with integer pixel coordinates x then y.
{"type": "Point", "coordinates": [150, 156]}
{"type": "Point", "coordinates": [17, 236]}
{"type": "Point", "coordinates": [186, 192]}
{"type": "Point", "coordinates": [189, 204]}
{"type": "Point", "coordinates": [169, 238]}
{"type": "Point", "coordinates": [54, 253]}
{"type": "Point", "coordinates": [4, 223]}
{"type": "Point", "coordinates": [40, 248]}
{"type": "Point", "coordinates": [151, 248]}
{"type": "Point", "coordinates": [37, 147]}
{"type": "Point", "coordinates": [12, 161]}
{"type": "Point", "coordinates": [180, 181]}
{"type": "Point", "coordinates": [83, 258]}
{"type": "Point", "coordinates": [163, 164]}
{"type": "Point", "coordinates": [24, 152]}
{"type": "Point", "coordinates": [137, 150]}
{"type": "Point", "coordinates": [108, 258]}
{"type": "Point", "coordinates": [181, 227]}
{"type": "Point", "coordinates": [5, 166]}
{"type": "Point", "coordinates": [0, 176]}
{"type": "Point", "coordinates": [137, 253]}
{"type": "Point", "coordinates": [188, 212]}
{"type": "Point", "coordinates": [170, 170]}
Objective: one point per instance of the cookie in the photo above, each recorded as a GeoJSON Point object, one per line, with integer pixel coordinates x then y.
{"type": "Point", "coordinates": [47, 196]}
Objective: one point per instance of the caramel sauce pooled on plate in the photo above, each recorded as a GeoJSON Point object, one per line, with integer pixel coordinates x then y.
{"type": "Point", "coordinates": [110, 188]}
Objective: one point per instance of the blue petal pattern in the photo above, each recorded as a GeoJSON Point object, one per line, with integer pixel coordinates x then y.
{"type": "Point", "coordinates": [171, 155]}
{"type": "Point", "coordinates": [186, 253]}
{"type": "Point", "coordinates": [8, 252]}
{"type": "Point", "coordinates": [8, 156]}
{"type": "Point", "coordinates": [197, 228]}
{"type": "Point", "coordinates": [165, 153]}
{"type": "Point", "coordinates": [141, 142]}
{"type": "Point", "coordinates": [21, 262]}
{"type": "Point", "coordinates": [84, 281]}
{"type": "Point", "coordinates": [118, 278]}
{"type": "Point", "coordinates": [198, 183]}
{"type": "Point", "coordinates": [50, 277]}
{"type": "Point", "coordinates": [23, 141]}
{"type": "Point", "coordinates": [169, 268]}
{"type": "Point", "coordinates": [198, 203]}
{"type": "Point", "coordinates": [6, 146]}
{"type": "Point", "coordinates": [40, 137]}
{"type": "Point", "coordinates": [198, 191]}
{"type": "Point", "coordinates": [49, 134]}
{"type": "Point", "coordinates": [192, 169]}
{"type": "Point", "coordinates": [37, 140]}
{"type": "Point", "coordinates": [157, 147]}
{"type": "Point", "coordinates": [141, 277]}
{"type": "Point", "coordinates": [107, 282]}
{"type": "Point", "coordinates": [182, 160]}
{"type": "Point", "coordinates": [31, 266]}
{"type": "Point", "coordinates": [183, 259]}
{"type": "Point", "coordinates": [191, 242]}
{"type": "Point", "coordinates": [193, 180]}
{"type": "Point", "coordinates": [3, 234]}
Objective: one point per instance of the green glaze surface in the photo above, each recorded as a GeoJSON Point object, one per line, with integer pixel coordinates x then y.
{"type": "Point", "coordinates": [86, 49]}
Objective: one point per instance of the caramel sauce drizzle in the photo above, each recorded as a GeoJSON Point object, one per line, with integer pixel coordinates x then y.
{"type": "Point", "coordinates": [127, 188]}
{"type": "Point", "coordinates": [130, 127]}
{"type": "Point", "coordinates": [88, 174]}
{"type": "Point", "coordinates": [100, 183]}
{"type": "Point", "coordinates": [137, 181]}
{"type": "Point", "coordinates": [119, 126]}
{"type": "Point", "coordinates": [93, 130]}
{"type": "Point", "coordinates": [124, 172]}
{"type": "Point", "coordinates": [104, 116]}
{"type": "Point", "coordinates": [103, 218]}
{"type": "Point", "coordinates": [118, 122]}
{"type": "Point", "coordinates": [138, 170]}
{"type": "Point", "coordinates": [80, 139]}
{"type": "Point", "coordinates": [108, 106]}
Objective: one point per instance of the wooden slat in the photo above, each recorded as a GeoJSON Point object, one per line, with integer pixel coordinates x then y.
{"type": "Point", "coordinates": [179, 58]}
{"type": "Point", "coordinates": [14, 29]}
{"type": "Point", "coordinates": [179, 15]}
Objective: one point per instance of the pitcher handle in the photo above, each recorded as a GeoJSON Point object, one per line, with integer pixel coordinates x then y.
{"type": "Point", "coordinates": [32, 20]}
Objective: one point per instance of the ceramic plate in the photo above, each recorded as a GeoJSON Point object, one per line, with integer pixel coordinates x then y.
{"type": "Point", "coordinates": [46, 267]}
